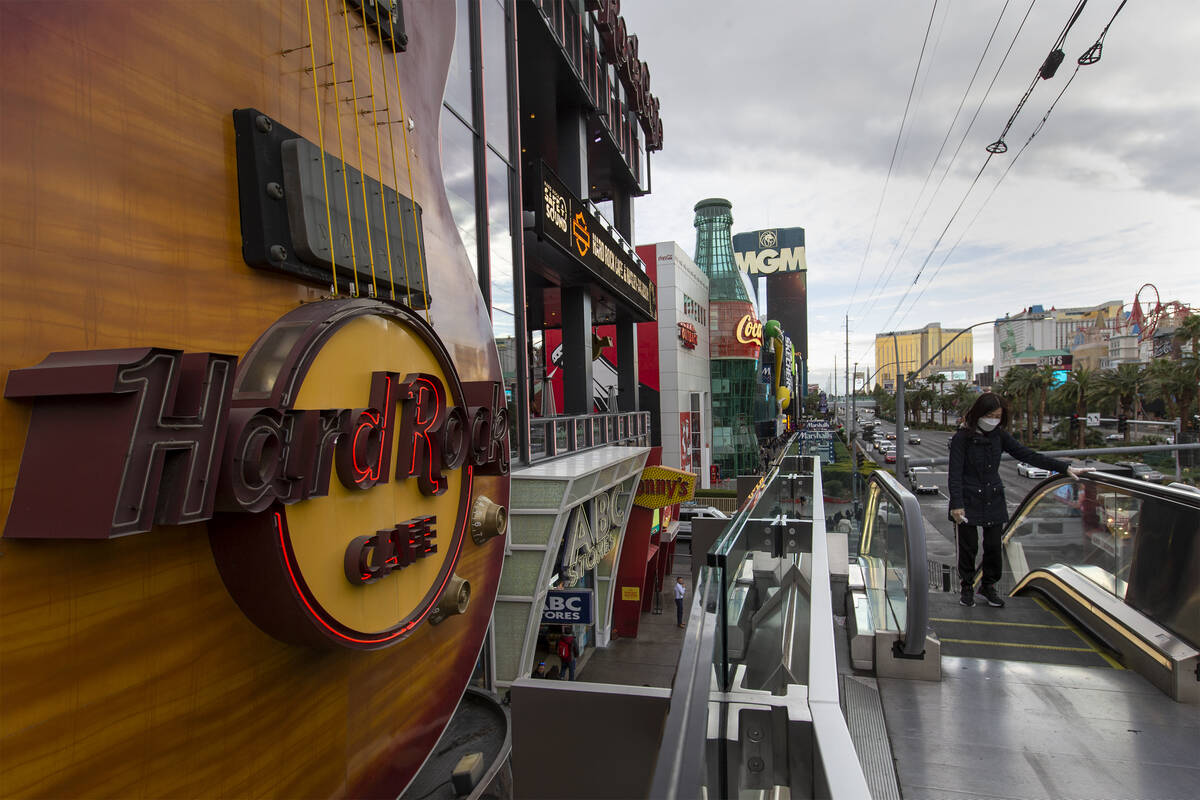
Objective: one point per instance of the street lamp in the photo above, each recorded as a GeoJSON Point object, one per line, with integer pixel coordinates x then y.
{"type": "Point", "coordinates": [917, 372]}
{"type": "Point", "coordinates": [853, 396]}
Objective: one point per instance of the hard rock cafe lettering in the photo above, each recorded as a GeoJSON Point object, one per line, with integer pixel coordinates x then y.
{"type": "Point", "coordinates": [749, 330]}
{"type": "Point", "coordinates": [150, 436]}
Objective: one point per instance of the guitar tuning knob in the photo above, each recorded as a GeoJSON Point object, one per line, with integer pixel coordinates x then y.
{"type": "Point", "coordinates": [488, 519]}
{"type": "Point", "coordinates": [454, 601]}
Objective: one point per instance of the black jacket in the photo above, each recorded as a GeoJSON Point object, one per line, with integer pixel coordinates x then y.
{"type": "Point", "coordinates": [974, 478]}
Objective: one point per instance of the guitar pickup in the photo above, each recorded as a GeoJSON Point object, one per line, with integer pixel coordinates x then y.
{"type": "Point", "coordinates": [288, 208]}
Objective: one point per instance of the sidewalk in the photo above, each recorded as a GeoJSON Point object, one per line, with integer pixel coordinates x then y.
{"type": "Point", "coordinates": [651, 658]}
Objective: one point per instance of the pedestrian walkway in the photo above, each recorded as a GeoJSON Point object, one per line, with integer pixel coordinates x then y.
{"type": "Point", "coordinates": [651, 658]}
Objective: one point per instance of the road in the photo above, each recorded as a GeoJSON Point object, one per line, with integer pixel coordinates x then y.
{"type": "Point", "coordinates": [935, 508]}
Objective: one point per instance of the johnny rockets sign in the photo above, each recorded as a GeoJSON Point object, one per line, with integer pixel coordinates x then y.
{"type": "Point", "coordinates": [334, 463]}
{"type": "Point", "coordinates": [664, 486]}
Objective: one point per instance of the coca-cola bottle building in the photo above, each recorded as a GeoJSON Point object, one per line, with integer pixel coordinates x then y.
{"type": "Point", "coordinates": [735, 337]}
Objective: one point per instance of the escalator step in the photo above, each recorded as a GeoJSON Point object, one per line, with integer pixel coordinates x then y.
{"type": "Point", "coordinates": [1022, 631]}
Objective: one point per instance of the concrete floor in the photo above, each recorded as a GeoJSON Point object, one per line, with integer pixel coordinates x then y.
{"type": "Point", "coordinates": [651, 658]}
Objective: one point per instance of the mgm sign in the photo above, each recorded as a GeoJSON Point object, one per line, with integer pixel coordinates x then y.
{"type": "Point", "coordinates": [770, 252]}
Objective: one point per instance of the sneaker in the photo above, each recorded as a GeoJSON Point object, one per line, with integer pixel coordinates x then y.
{"type": "Point", "coordinates": [967, 598]}
{"type": "Point", "coordinates": [990, 594]}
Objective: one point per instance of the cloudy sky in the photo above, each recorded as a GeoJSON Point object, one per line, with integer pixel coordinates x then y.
{"type": "Point", "coordinates": [792, 109]}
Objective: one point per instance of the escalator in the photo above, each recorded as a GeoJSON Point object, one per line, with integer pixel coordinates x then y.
{"type": "Point", "coordinates": [1102, 572]}
{"type": "Point", "coordinates": [1027, 629]}
{"type": "Point", "coordinates": [1083, 685]}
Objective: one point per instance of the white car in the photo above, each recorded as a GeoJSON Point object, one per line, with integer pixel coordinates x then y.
{"type": "Point", "coordinates": [920, 480]}
{"type": "Point", "coordinates": [687, 513]}
{"type": "Point", "coordinates": [1030, 471]}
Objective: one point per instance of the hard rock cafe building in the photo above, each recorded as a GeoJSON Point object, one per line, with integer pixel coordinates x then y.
{"type": "Point", "coordinates": [270, 504]}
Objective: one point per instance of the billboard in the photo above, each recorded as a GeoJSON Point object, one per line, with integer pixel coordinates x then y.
{"type": "Point", "coordinates": [777, 256]}
{"type": "Point", "coordinates": [774, 251]}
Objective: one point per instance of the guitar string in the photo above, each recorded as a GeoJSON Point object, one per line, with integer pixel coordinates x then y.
{"type": "Point", "coordinates": [408, 163]}
{"type": "Point", "coordinates": [387, 238]}
{"type": "Point", "coordinates": [392, 147]}
{"type": "Point", "coordinates": [341, 146]}
{"type": "Point", "coordinates": [312, 53]}
{"type": "Point", "coordinates": [362, 173]}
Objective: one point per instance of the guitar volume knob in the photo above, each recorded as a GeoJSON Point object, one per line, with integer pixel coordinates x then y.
{"type": "Point", "coordinates": [454, 600]}
{"type": "Point", "coordinates": [488, 519]}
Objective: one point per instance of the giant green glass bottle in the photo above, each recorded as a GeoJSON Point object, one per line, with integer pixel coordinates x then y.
{"type": "Point", "coordinates": [735, 337]}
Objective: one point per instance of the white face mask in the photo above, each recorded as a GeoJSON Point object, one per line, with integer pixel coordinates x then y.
{"type": "Point", "coordinates": [988, 423]}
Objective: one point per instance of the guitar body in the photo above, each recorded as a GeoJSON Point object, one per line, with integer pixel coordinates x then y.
{"type": "Point", "coordinates": [129, 664]}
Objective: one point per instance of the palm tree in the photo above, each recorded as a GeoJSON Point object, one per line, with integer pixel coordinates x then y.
{"type": "Point", "coordinates": [1046, 376]}
{"type": "Point", "coordinates": [964, 395]}
{"type": "Point", "coordinates": [1079, 388]}
{"type": "Point", "coordinates": [1125, 385]}
{"type": "Point", "coordinates": [927, 397]}
{"type": "Point", "coordinates": [1178, 382]}
{"type": "Point", "coordinates": [1022, 384]}
{"type": "Point", "coordinates": [1159, 376]}
{"type": "Point", "coordinates": [1189, 331]}
{"type": "Point", "coordinates": [946, 404]}
{"type": "Point", "coordinates": [912, 400]}
{"type": "Point", "coordinates": [938, 380]}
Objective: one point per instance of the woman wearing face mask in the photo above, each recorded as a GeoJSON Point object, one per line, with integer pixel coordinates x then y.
{"type": "Point", "coordinates": [977, 494]}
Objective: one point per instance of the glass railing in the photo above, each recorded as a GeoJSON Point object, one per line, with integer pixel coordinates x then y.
{"type": "Point", "coordinates": [551, 437]}
{"type": "Point", "coordinates": [757, 688]}
{"type": "Point", "coordinates": [891, 554]}
{"type": "Point", "coordinates": [1138, 542]}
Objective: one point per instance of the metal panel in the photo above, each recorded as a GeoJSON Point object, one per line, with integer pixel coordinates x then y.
{"type": "Point", "coordinates": [585, 740]}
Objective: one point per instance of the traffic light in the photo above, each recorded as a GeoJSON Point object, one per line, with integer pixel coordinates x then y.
{"type": "Point", "coordinates": [1074, 422]}
{"type": "Point", "coordinates": [1122, 424]}
{"type": "Point", "coordinates": [858, 458]}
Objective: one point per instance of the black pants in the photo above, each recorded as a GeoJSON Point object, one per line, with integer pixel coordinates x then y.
{"type": "Point", "coordinates": [678, 610]}
{"type": "Point", "coordinates": [968, 548]}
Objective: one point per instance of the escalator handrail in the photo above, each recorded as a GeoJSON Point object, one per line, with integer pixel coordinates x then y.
{"type": "Point", "coordinates": [1131, 486]}
{"type": "Point", "coordinates": [916, 616]}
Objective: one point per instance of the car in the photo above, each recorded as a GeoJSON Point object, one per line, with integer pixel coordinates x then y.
{"type": "Point", "coordinates": [891, 435]}
{"type": "Point", "coordinates": [1114, 437]}
{"type": "Point", "coordinates": [1030, 471]}
{"type": "Point", "coordinates": [914, 439]}
{"type": "Point", "coordinates": [687, 513]}
{"type": "Point", "coordinates": [920, 480]}
{"type": "Point", "coordinates": [1143, 472]}
{"type": "Point", "coordinates": [890, 457]}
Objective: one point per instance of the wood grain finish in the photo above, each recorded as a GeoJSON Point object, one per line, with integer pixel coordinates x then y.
{"type": "Point", "coordinates": [125, 668]}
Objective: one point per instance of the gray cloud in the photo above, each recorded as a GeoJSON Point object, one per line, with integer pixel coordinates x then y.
{"type": "Point", "coordinates": [791, 110]}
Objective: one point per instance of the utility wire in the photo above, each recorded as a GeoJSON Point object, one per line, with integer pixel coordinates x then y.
{"type": "Point", "coordinates": [998, 146]}
{"type": "Point", "coordinates": [942, 146]}
{"type": "Point", "coordinates": [870, 302]}
{"type": "Point", "coordinates": [1090, 56]}
{"type": "Point", "coordinates": [992, 150]}
{"type": "Point", "coordinates": [895, 149]}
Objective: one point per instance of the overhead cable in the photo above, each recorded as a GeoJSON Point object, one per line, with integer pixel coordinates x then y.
{"type": "Point", "coordinates": [1045, 72]}
{"type": "Point", "coordinates": [1089, 57]}
{"type": "Point", "coordinates": [895, 149]}
{"type": "Point", "coordinates": [941, 148]}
